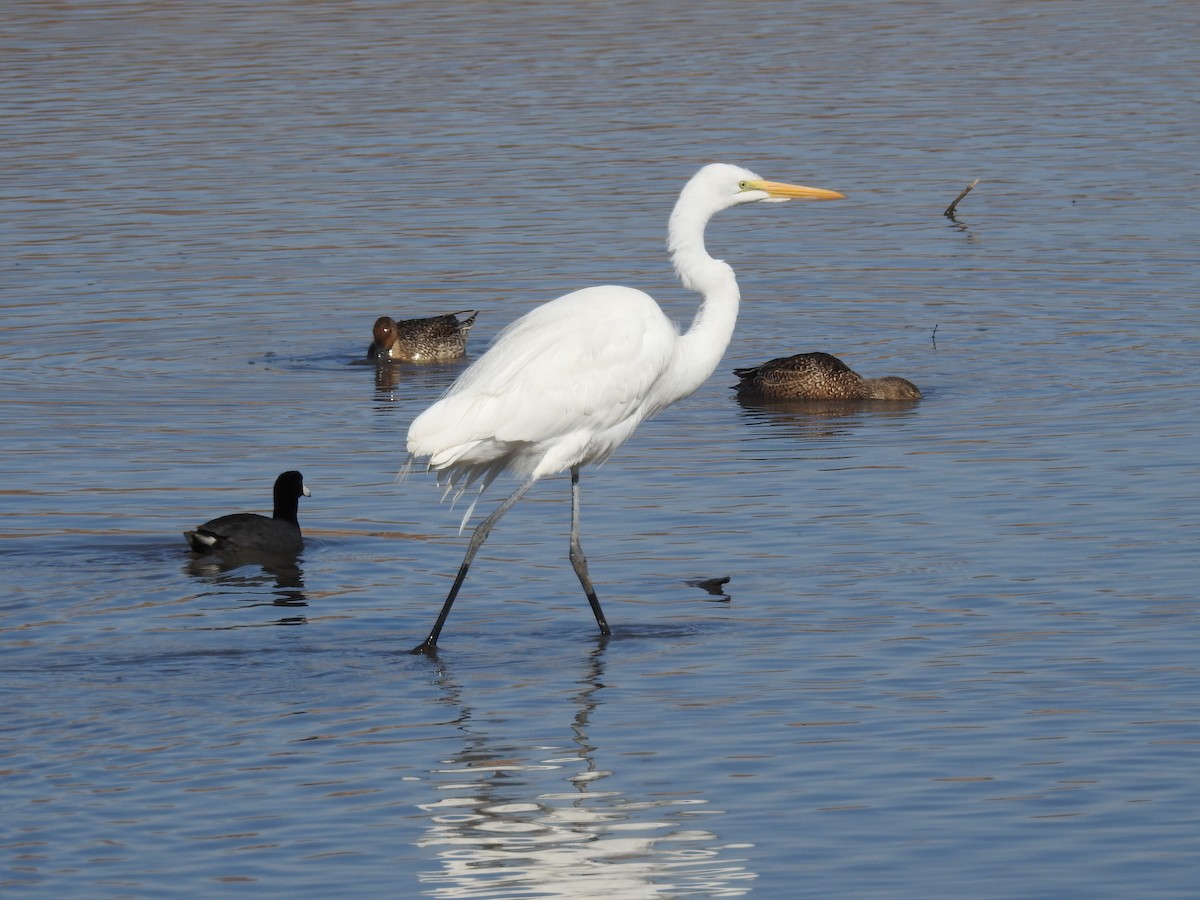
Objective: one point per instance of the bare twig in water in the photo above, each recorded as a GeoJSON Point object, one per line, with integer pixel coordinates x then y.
{"type": "Point", "coordinates": [933, 336]}
{"type": "Point", "coordinates": [949, 213]}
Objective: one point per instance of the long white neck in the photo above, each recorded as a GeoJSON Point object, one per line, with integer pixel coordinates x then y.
{"type": "Point", "coordinates": [700, 348]}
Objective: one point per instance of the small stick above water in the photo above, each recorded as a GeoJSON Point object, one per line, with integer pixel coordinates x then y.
{"type": "Point", "coordinates": [949, 213]}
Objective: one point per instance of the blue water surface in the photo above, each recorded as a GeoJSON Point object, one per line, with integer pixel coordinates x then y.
{"type": "Point", "coordinates": [956, 653]}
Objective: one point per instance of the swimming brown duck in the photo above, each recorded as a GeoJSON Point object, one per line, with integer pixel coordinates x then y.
{"type": "Point", "coordinates": [818, 376]}
{"type": "Point", "coordinates": [421, 340]}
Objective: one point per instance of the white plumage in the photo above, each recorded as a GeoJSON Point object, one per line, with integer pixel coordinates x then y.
{"type": "Point", "coordinates": [569, 382]}
{"type": "Point", "coordinates": [562, 386]}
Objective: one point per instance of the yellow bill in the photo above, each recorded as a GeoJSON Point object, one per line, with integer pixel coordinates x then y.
{"type": "Point", "coordinates": [778, 190]}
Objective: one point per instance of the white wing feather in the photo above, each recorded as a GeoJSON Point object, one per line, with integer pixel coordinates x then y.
{"type": "Point", "coordinates": [563, 385]}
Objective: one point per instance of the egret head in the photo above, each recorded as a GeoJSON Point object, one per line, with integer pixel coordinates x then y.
{"type": "Point", "coordinates": [752, 188]}
{"type": "Point", "coordinates": [719, 185]}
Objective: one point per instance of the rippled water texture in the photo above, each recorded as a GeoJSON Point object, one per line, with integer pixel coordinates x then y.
{"type": "Point", "coordinates": [956, 654]}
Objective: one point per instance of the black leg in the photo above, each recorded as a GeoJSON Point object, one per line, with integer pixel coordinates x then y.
{"type": "Point", "coordinates": [429, 646]}
{"type": "Point", "coordinates": [578, 560]}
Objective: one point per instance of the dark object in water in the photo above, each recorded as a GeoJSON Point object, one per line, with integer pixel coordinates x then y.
{"type": "Point", "coordinates": [715, 586]}
{"type": "Point", "coordinates": [252, 535]}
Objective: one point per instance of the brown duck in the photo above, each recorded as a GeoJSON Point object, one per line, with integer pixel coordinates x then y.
{"type": "Point", "coordinates": [421, 340]}
{"type": "Point", "coordinates": [818, 376]}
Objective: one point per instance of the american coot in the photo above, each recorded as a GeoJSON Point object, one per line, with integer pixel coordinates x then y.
{"type": "Point", "coordinates": [818, 376]}
{"type": "Point", "coordinates": [567, 383]}
{"type": "Point", "coordinates": [421, 340]}
{"type": "Point", "coordinates": [249, 534]}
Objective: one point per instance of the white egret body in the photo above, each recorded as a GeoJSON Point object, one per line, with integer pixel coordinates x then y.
{"type": "Point", "coordinates": [567, 383]}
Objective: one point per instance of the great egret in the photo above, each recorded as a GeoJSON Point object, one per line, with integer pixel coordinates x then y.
{"type": "Point", "coordinates": [818, 376]}
{"type": "Point", "coordinates": [249, 534]}
{"type": "Point", "coordinates": [421, 340]}
{"type": "Point", "coordinates": [567, 383]}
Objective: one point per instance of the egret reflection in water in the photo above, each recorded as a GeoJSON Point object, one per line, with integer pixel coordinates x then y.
{"type": "Point", "coordinates": [536, 818]}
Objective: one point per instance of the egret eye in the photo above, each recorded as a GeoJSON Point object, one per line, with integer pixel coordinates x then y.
{"type": "Point", "coordinates": [743, 185]}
